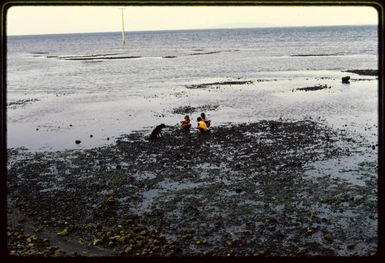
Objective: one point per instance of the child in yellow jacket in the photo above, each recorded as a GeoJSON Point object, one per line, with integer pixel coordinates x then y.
{"type": "Point", "coordinates": [202, 127]}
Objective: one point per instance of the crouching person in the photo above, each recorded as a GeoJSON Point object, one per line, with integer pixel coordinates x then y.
{"type": "Point", "coordinates": [203, 130]}
{"type": "Point", "coordinates": [186, 125]}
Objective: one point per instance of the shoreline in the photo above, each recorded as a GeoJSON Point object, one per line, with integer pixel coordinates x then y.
{"type": "Point", "coordinates": [278, 93]}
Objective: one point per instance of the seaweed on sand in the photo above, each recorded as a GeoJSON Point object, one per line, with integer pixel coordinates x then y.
{"type": "Point", "coordinates": [241, 192]}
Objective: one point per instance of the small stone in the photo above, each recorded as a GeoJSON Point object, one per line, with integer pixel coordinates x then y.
{"type": "Point", "coordinates": [57, 253]}
{"type": "Point", "coordinates": [70, 125]}
{"type": "Point", "coordinates": [63, 233]}
{"type": "Point", "coordinates": [78, 141]}
{"type": "Point", "coordinates": [373, 147]}
{"type": "Point", "coordinates": [328, 237]}
{"type": "Point", "coordinates": [96, 241]}
{"type": "Point", "coordinates": [91, 136]}
{"type": "Point", "coordinates": [108, 138]}
{"type": "Point", "coordinates": [110, 200]}
{"type": "Point", "coordinates": [118, 167]}
{"type": "Point", "coordinates": [350, 246]}
{"type": "Point", "coordinates": [53, 248]}
{"type": "Point", "coordinates": [313, 214]}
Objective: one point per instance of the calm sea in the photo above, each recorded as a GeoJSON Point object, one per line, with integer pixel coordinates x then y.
{"type": "Point", "coordinates": [193, 53]}
{"type": "Point", "coordinates": [88, 79]}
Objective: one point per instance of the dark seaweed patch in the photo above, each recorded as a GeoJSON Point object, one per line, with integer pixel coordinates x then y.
{"type": "Point", "coordinates": [204, 53]}
{"type": "Point", "coordinates": [242, 192]}
{"type": "Point", "coordinates": [211, 52]}
{"type": "Point", "coordinates": [21, 102]}
{"type": "Point", "coordinates": [190, 109]}
{"type": "Point", "coordinates": [206, 85]}
{"type": "Point", "coordinates": [98, 58]}
{"type": "Point", "coordinates": [317, 55]}
{"type": "Point", "coordinates": [366, 72]}
{"type": "Point", "coordinates": [317, 87]}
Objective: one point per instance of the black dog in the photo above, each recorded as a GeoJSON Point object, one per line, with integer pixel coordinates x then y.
{"type": "Point", "coordinates": [157, 131]}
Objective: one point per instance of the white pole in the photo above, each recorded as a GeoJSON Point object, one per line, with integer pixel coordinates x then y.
{"type": "Point", "coordinates": [123, 36]}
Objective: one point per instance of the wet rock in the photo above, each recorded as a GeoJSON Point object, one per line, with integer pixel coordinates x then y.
{"type": "Point", "coordinates": [345, 80]}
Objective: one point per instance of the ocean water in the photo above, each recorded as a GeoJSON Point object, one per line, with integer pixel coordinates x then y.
{"type": "Point", "coordinates": [62, 88]}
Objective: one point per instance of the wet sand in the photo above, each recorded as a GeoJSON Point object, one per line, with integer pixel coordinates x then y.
{"type": "Point", "coordinates": [246, 190]}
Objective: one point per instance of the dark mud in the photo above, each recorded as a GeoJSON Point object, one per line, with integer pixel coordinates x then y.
{"type": "Point", "coordinates": [240, 190]}
{"type": "Point", "coordinates": [317, 87]}
{"type": "Point", "coordinates": [190, 109]}
{"type": "Point", "coordinates": [364, 72]}
{"type": "Point", "coordinates": [206, 85]}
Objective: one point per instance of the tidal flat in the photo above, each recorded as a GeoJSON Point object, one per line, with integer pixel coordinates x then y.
{"type": "Point", "coordinates": [246, 189]}
{"type": "Point", "coordinates": [290, 167]}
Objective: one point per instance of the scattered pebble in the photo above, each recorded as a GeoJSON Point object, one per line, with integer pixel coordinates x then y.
{"type": "Point", "coordinates": [328, 237]}
{"type": "Point", "coordinates": [351, 246]}
{"type": "Point", "coordinates": [274, 193]}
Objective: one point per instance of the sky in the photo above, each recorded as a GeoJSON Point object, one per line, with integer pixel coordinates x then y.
{"type": "Point", "coordinates": [34, 20]}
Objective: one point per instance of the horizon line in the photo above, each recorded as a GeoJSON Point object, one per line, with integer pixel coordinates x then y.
{"type": "Point", "coordinates": [190, 29]}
